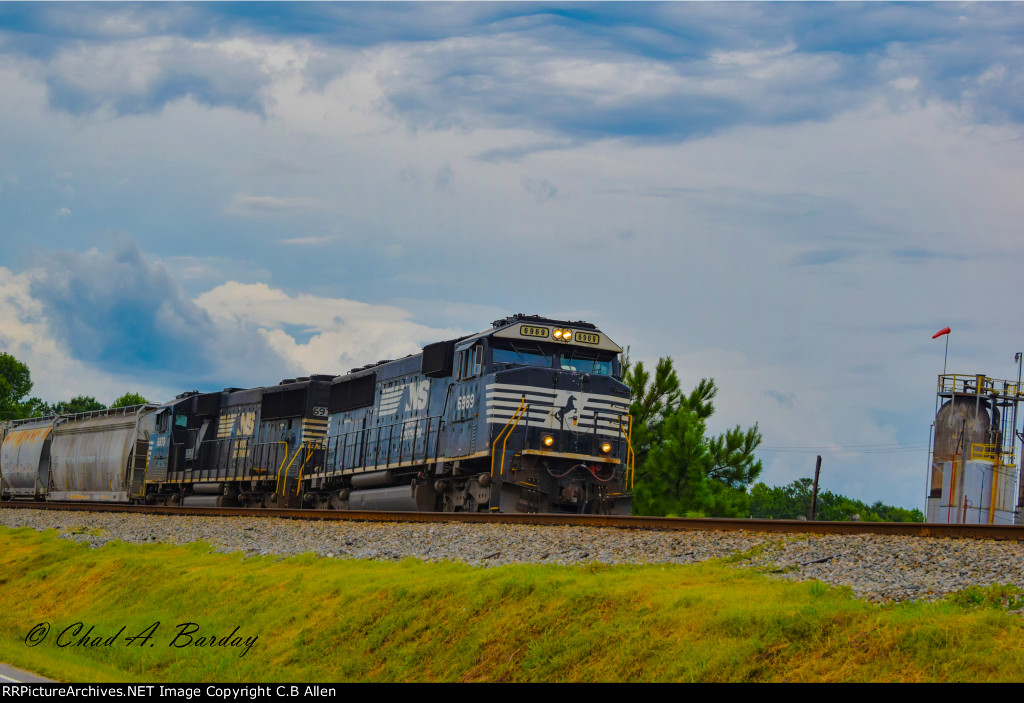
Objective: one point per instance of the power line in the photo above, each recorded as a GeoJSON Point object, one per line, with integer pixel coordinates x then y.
{"type": "Point", "coordinates": [912, 447]}
{"type": "Point", "coordinates": [848, 446]}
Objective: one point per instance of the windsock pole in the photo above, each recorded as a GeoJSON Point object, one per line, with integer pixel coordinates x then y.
{"type": "Point", "coordinates": [943, 331]}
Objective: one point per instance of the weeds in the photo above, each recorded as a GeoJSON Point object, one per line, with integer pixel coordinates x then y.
{"type": "Point", "coordinates": [747, 554]}
{"type": "Point", "coordinates": [998, 596]}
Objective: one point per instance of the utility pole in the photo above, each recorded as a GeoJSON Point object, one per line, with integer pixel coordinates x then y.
{"type": "Point", "coordinates": [814, 495]}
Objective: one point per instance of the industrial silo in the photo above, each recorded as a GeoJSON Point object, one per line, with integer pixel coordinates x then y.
{"type": "Point", "coordinates": [973, 474]}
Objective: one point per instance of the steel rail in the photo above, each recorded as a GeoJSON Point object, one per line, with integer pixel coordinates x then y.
{"type": "Point", "coordinates": [908, 529]}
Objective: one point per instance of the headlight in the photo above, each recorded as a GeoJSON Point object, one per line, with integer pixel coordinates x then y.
{"type": "Point", "coordinates": [606, 448]}
{"type": "Point", "coordinates": [557, 334]}
{"type": "Point", "coordinates": [548, 440]}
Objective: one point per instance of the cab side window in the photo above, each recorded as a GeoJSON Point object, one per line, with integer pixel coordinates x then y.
{"type": "Point", "coordinates": [478, 359]}
{"type": "Point", "coordinates": [470, 362]}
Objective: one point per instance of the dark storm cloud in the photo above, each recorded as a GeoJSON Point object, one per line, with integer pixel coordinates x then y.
{"type": "Point", "coordinates": [115, 310]}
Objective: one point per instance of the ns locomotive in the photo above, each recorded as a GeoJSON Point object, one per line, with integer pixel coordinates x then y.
{"type": "Point", "coordinates": [529, 416]}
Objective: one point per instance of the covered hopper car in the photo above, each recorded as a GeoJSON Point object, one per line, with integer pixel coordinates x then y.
{"type": "Point", "coordinates": [529, 416]}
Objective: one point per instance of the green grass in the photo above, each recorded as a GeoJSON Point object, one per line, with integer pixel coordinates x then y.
{"type": "Point", "coordinates": [348, 620]}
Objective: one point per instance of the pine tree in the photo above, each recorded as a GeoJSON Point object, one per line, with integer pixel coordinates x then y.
{"type": "Point", "coordinates": [680, 470]}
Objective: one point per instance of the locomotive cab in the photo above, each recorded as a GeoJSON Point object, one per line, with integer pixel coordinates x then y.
{"type": "Point", "coordinates": [536, 419]}
{"type": "Point", "coordinates": [181, 425]}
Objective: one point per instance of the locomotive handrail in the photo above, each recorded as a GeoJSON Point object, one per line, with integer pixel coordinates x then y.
{"type": "Point", "coordinates": [277, 487]}
{"type": "Point", "coordinates": [283, 459]}
{"type": "Point", "coordinates": [311, 449]}
{"type": "Point", "coordinates": [630, 454]}
{"type": "Point", "coordinates": [494, 449]}
{"type": "Point", "coordinates": [225, 457]}
{"type": "Point", "coordinates": [509, 434]}
{"type": "Point", "coordinates": [337, 446]}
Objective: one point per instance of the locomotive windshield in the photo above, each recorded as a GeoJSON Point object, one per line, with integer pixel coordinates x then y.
{"type": "Point", "coordinates": [522, 354]}
{"type": "Point", "coordinates": [586, 361]}
{"type": "Point", "coordinates": [528, 353]}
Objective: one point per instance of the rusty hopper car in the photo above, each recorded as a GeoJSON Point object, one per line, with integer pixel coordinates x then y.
{"type": "Point", "coordinates": [96, 456]}
{"type": "Point", "coordinates": [25, 458]}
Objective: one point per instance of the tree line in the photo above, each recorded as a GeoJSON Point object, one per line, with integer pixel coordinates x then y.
{"type": "Point", "coordinates": [683, 471]}
{"type": "Point", "coordinates": [793, 502]}
{"type": "Point", "coordinates": [16, 383]}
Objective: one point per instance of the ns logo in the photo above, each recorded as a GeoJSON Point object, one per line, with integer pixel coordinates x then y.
{"type": "Point", "coordinates": [415, 396]}
{"type": "Point", "coordinates": [405, 398]}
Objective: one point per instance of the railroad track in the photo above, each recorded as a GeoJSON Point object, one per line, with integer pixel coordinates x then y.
{"type": "Point", "coordinates": [999, 532]}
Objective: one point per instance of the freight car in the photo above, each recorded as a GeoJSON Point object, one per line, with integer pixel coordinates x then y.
{"type": "Point", "coordinates": [94, 456]}
{"type": "Point", "coordinates": [529, 416]}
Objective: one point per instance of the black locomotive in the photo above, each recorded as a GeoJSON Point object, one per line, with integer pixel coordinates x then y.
{"type": "Point", "coordinates": [529, 416]}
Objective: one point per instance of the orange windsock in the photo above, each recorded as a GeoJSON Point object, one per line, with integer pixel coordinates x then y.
{"type": "Point", "coordinates": [944, 330]}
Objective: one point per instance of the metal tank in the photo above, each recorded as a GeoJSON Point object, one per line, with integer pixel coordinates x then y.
{"type": "Point", "coordinates": [961, 422]}
{"type": "Point", "coordinates": [973, 467]}
{"type": "Point", "coordinates": [25, 460]}
{"type": "Point", "coordinates": [101, 456]}
{"type": "Point", "coordinates": [974, 492]}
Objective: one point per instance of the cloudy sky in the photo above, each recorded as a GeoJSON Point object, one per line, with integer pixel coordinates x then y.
{"type": "Point", "coordinates": [790, 198]}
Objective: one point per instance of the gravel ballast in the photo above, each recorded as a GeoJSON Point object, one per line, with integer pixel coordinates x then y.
{"type": "Point", "coordinates": [877, 567]}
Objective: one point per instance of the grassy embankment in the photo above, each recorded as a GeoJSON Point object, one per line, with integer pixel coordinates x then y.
{"type": "Point", "coordinates": [337, 620]}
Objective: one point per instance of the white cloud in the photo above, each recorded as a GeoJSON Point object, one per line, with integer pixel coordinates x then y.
{"type": "Point", "coordinates": [343, 333]}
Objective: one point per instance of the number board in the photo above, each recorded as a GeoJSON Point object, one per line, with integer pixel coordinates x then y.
{"type": "Point", "coordinates": [530, 331]}
{"type": "Point", "coordinates": [588, 338]}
